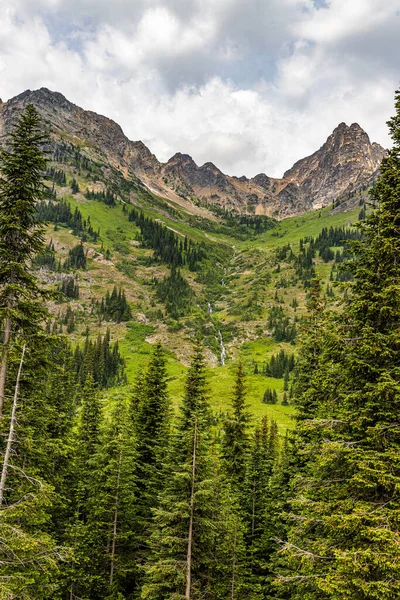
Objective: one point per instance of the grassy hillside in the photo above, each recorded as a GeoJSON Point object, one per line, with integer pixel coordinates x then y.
{"type": "Point", "coordinates": [242, 279]}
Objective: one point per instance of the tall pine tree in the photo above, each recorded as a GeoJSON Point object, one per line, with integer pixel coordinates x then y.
{"type": "Point", "coordinates": [235, 446]}
{"type": "Point", "coordinates": [344, 540]}
{"type": "Point", "coordinates": [151, 424]}
{"type": "Point", "coordinates": [22, 170]}
{"type": "Point", "coordinates": [182, 543]}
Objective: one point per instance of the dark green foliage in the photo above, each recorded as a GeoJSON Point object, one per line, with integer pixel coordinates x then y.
{"type": "Point", "coordinates": [286, 381]}
{"type": "Point", "coordinates": [69, 320]}
{"type": "Point", "coordinates": [101, 360]}
{"type": "Point", "coordinates": [114, 307]}
{"type": "Point", "coordinates": [263, 454]}
{"type": "Point", "coordinates": [60, 213]}
{"type": "Point", "coordinates": [76, 258]}
{"type": "Point", "coordinates": [280, 325]}
{"type": "Point", "coordinates": [279, 364]}
{"type": "Point", "coordinates": [175, 292]}
{"type": "Point", "coordinates": [313, 334]}
{"type": "Point", "coordinates": [151, 426]}
{"type": "Point", "coordinates": [329, 292]}
{"type": "Point", "coordinates": [270, 397]}
{"type": "Point", "coordinates": [244, 226]}
{"type": "Point", "coordinates": [28, 553]}
{"type": "Point", "coordinates": [136, 397]}
{"type": "Point", "coordinates": [326, 254]}
{"type": "Point", "coordinates": [57, 176]}
{"type": "Point", "coordinates": [129, 502]}
{"type": "Point", "coordinates": [151, 415]}
{"type": "Point", "coordinates": [343, 540]}
{"type": "Point", "coordinates": [334, 236]}
{"type": "Point", "coordinates": [74, 186]}
{"type": "Point", "coordinates": [284, 253]}
{"type": "Point", "coordinates": [191, 549]}
{"type": "Point", "coordinates": [168, 246]}
{"type": "Point", "coordinates": [115, 507]}
{"type": "Point", "coordinates": [237, 225]}
{"type": "Point", "coordinates": [32, 523]}
{"type": "Point", "coordinates": [104, 518]}
{"type": "Point", "coordinates": [70, 288]}
{"type": "Point", "coordinates": [68, 153]}
{"type": "Point", "coordinates": [22, 168]}
{"type": "Point", "coordinates": [47, 258]}
{"type": "Point", "coordinates": [235, 444]}
{"type": "Point", "coordinates": [86, 576]}
{"type": "Point", "coordinates": [107, 197]}
{"type": "Point", "coordinates": [304, 263]}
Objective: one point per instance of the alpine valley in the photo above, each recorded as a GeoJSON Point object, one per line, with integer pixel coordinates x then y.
{"type": "Point", "coordinates": [199, 373]}
{"type": "Point", "coordinates": [192, 249]}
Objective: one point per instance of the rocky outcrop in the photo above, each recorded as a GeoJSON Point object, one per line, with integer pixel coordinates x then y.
{"type": "Point", "coordinates": [346, 162]}
{"type": "Point", "coordinates": [101, 136]}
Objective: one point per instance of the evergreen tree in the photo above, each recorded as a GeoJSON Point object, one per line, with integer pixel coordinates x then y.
{"type": "Point", "coordinates": [70, 288]}
{"type": "Point", "coordinates": [270, 396]}
{"type": "Point", "coordinates": [344, 540]}
{"type": "Point", "coordinates": [87, 576]}
{"type": "Point", "coordinates": [114, 506]}
{"type": "Point", "coordinates": [182, 560]}
{"type": "Point", "coordinates": [114, 307]}
{"type": "Point", "coordinates": [29, 557]}
{"type": "Point", "coordinates": [137, 395]}
{"type": "Point", "coordinates": [263, 454]}
{"type": "Point", "coordinates": [22, 169]}
{"type": "Point", "coordinates": [235, 444]}
{"type": "Point", "coordinates": [76, 258]}
{"type": "Point", "coordinates": [28, 553]}
{"type": "Point", "coordinates": [74, 186]}
{"type": "Point", "coordinates": [152, 435]}
{"type": "Point", "coordinates": [175, 292]}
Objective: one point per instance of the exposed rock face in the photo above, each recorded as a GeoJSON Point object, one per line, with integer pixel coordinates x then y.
{"type": "Point", "coordinates": [346, 162]}
{"type": "Point", "coordinates": [105, 138]}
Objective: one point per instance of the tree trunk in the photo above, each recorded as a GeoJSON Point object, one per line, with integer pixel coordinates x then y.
{"type": "Point", "coordinates": [3, 368]}
{"type": "Point", "coordinates": [11, 434]}
{"type": "Point", "coordinates": [253, 524]}
{"type": "Point", "coordinates": [190, 536]}
{"type": "Point", "coordinates": [115, 523]}
{"type": "Point", "coordinates": [234, 563]}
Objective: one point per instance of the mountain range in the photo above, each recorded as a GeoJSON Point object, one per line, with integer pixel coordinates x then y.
{"type": "Point", "coordinates": [346, 163]}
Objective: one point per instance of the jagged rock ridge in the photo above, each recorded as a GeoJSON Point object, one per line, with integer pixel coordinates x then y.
{"type": "Point", "coordinates": [346, 162]}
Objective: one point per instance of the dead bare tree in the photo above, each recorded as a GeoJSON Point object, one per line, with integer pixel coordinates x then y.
{"type": "Point", "coordinates": [11, 433]}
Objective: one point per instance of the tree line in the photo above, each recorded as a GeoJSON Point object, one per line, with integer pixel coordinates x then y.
{"type": "Point", "coordinates": [60, 213]}
{"type": "Point", "coordinates": [167, 245]}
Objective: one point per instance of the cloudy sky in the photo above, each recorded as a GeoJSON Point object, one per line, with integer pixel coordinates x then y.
{"type": "Point", "coordinates": [251, 85]}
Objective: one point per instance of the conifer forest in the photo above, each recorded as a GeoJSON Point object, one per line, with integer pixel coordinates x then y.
{"type": "Point", "coordinates": [139, 483]}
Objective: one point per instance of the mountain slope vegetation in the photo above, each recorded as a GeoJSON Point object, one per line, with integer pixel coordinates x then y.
{"type": "Point", "coordinates": [196, 403]}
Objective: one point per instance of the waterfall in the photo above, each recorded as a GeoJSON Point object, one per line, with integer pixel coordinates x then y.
{"type": "Point", "coordinates": [209, 307]}
{"type": "Point", "coordinates": [223, 349]}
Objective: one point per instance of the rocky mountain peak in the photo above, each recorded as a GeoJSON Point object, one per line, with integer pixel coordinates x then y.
{"type": "Point", "coordinates": [345, 162]}
{"type": "Point", "coordinates": [262, 180]}
{"type": "Point", "coordinates": [181, 159]}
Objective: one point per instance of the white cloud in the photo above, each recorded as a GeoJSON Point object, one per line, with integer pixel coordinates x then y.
{"type": "Point", "coordinates": [342, 19]}
{"type": "Point", "coordinates": [251, 86]}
